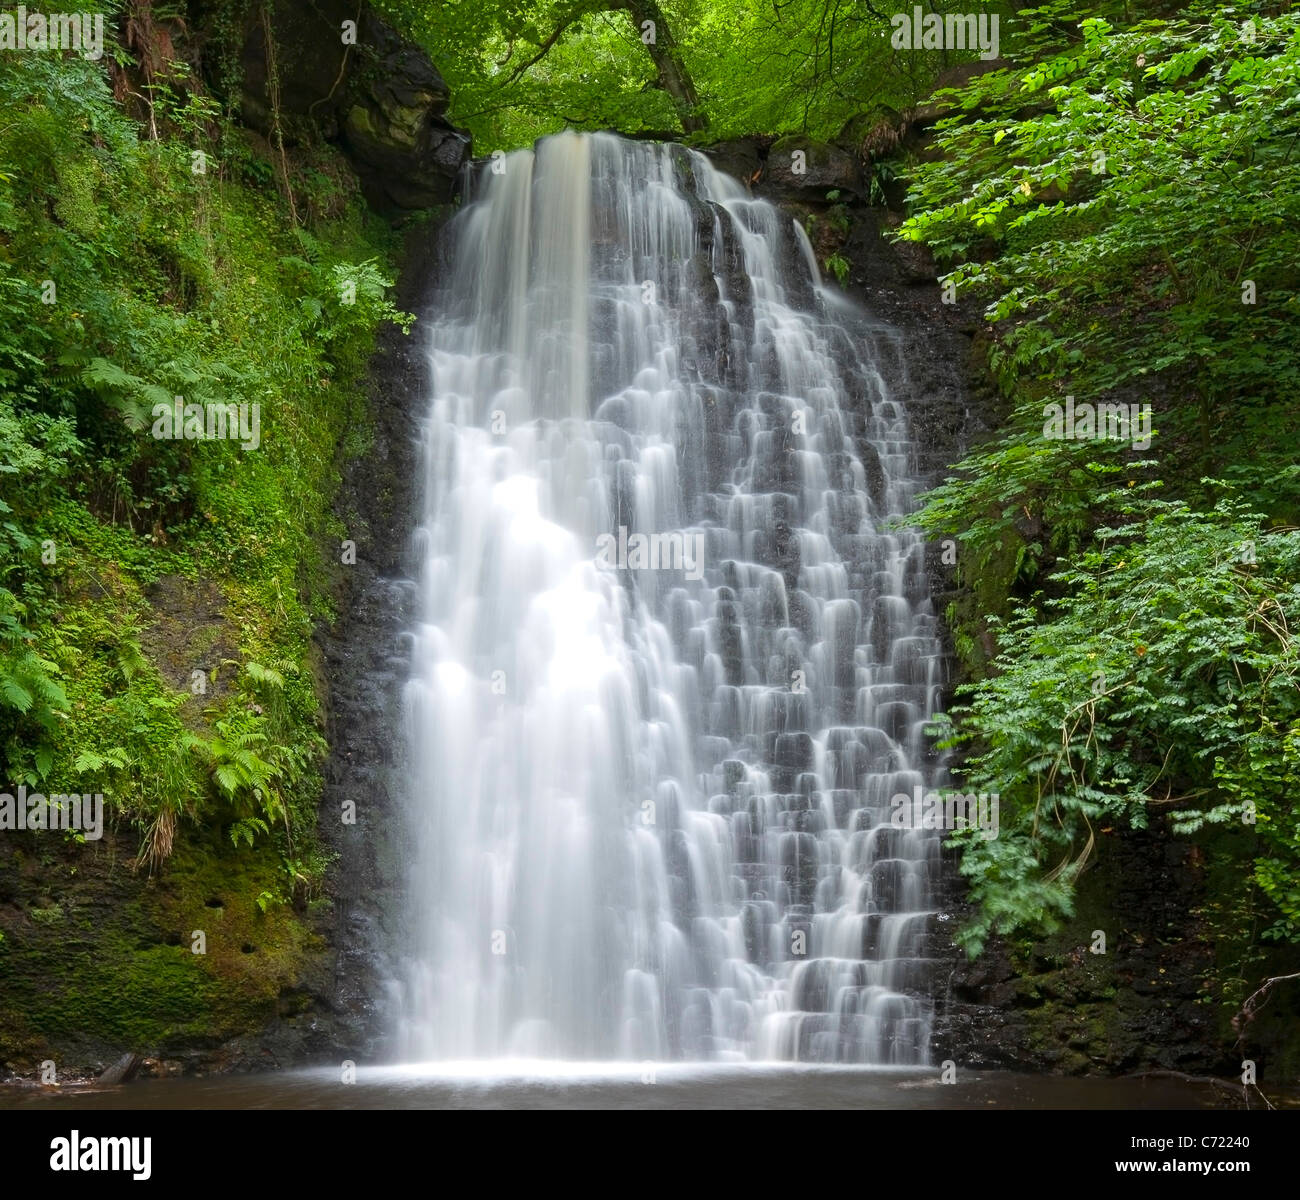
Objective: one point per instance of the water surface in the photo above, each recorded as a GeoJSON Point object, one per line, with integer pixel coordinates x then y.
{"type": "Point", "coordinates": [575, 1085]}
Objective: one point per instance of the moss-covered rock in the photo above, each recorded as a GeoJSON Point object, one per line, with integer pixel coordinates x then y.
{"type": "Point", "coordinates": [359, 82]}
{"type": "Point", "coordinates": [97, 959]}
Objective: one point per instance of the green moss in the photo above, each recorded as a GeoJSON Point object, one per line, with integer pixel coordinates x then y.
{"type": "Point", "coordinates": [122, 973]}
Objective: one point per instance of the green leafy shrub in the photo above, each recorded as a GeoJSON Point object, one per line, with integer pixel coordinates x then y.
{"type": "Point", "coordinates": [1123, 200]}
{"type": "Point", "coordinates": [1164, 677]}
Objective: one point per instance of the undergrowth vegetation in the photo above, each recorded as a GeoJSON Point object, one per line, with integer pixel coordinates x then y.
{"type": "Point", "coordinates": [1123, 200]}
{"type": "Point", "coordinates": [158, 595]}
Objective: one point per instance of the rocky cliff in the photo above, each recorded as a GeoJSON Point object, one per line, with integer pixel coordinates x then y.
{"type": "Point", "coordinates": [336, 68]}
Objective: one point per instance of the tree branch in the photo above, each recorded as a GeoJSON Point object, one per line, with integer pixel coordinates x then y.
{"type": "Point", "coordinates": [545, 48]}
{"type": "Point", "coordinates": [1250, 1007]}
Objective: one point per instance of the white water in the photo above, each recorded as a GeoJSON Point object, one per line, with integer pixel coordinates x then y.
{"type": "Point", "coordinates": [650, 813]}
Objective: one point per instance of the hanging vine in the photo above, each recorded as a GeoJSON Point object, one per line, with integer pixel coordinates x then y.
{"type": "Point", "coordinates": [273, 90]}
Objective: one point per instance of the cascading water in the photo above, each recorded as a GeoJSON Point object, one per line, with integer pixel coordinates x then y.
{"type": "Point", "coordinates": [650, 812]}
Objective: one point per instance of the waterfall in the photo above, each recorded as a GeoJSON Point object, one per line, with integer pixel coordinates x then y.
{"type": "Point", "coordinates": [675, 650]}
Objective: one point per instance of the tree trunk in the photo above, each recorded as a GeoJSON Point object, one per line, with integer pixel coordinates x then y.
{"type": "Point", "coordinates": [673, 75]}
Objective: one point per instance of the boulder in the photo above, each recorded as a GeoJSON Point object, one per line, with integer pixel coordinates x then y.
{"type": "Point", "coordinates": [381, 99]}
{"type": "Point", "coordinates": [799, 168]}
{"type": "Point", "coordinates": [123, 1070]}
{"type": "Point", "coordinates": [741, 158]}
{"type": "Point", "coordinates": [406, 154]}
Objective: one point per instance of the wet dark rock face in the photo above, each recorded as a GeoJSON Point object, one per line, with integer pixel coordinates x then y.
{"type": "Point", "coordinates": [1055, 1004]}
{"type": "Point", "coordinates": [367, 666]}
{"type": "Point", "coordinates": [381, 99]}
{"type": "Point", "coordinates": [384, 102]}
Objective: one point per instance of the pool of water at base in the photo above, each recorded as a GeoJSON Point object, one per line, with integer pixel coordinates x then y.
{"type": "Point", "coordinates": [498, 1084]}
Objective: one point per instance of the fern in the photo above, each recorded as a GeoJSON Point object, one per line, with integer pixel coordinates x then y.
{"type": "Point", "coordinates": [246, 829]}
{"type": "Point", "coordinates": [264, 675]}
{"type": "Point", "coordinates": [91, 762]}
{"type": "Point", "coordinates": [29, 692]}
{"type": "Point", "coordinates": [128, 394]}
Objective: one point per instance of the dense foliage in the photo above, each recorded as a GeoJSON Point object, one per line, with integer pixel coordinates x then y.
{"type": "Point", "coordinates": [519, 69]}
{"type": "Point", "coordinates": [1123, 199]}
{"type": "Point", "coordinates": [158, 596]}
